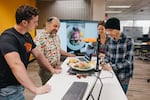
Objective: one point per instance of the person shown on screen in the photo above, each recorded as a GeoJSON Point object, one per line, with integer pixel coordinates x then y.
{"type": "Point", "coordinates": [75, 37]}
{"type": "Point", "coordinates": [49, 43]}
{"type": "Point", "coordinates": [119, 53]}
{"type": "Point", "coordinates": [16, 44]}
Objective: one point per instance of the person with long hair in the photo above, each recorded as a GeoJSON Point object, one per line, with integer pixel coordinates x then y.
{"type": "Point", "coordinates": [102, 38]}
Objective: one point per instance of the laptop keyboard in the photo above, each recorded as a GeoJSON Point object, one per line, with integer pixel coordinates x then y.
{"type": "Point", "coordinates": [83, 59]}
{"type": "Point", "coordinates": [76, 91]}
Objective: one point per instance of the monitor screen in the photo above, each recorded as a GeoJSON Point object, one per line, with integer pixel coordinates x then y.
{"type": "Point", "coordinates": [72, 33]}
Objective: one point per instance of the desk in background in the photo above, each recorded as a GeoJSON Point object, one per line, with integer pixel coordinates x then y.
{"type": "Point", "coordinates": [142, 50]}
{"type": "Point", "coordinates": [60, 83]}
{"type": "Point", "coordinates": [143, 43]}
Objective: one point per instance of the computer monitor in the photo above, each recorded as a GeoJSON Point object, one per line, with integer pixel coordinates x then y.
{"type": "Point", "coordinates": [72, 33]}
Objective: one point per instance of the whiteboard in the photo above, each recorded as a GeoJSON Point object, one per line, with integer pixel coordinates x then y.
{"type": "Point", "coordinates": [134, 32]}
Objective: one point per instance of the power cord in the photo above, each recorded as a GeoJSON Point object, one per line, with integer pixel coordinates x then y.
{"type": "Point", "coordinates": [100, 80]}
{"type": "Point", "coordinates": [97, 78]}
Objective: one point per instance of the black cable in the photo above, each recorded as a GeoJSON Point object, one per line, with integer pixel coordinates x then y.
{"type": "Point", "coordinates": [97, 78]}
{"type": "Point", "coordinates": [92, 90]}
{"type": "Point", "coordinates": [101, 84]}
{"type": "Point", "coordinates": [97, 52]}
{"type": "Point", "coordinates": [99, 72]}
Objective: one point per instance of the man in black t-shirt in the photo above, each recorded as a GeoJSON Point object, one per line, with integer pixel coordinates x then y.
{"type": "Point", "coordinates": [16, 45]}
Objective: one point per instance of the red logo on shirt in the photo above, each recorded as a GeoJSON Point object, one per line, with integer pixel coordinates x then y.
{"type": "Point", "coordinates": [28, 46]}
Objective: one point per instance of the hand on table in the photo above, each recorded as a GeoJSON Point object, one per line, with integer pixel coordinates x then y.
{"type": "Point", "coordinates": [72, 55]}
{"type": "Point", "coordinates": [43, 89]}
{"type": "Point", "coordinates": [105, 66]}
{"type": "Point", "coordinates": [57, 70]}
{"type": "Point", "coordinates": [58, 67]}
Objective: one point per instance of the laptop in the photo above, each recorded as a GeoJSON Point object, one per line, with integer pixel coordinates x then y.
{"type": "Point", "coordinates": [88, 54]}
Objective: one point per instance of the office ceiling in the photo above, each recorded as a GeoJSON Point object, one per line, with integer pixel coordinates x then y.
{"type": "Point", "coordinates": [139, 10]}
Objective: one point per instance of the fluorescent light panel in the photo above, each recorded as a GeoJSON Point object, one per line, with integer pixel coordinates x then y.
{"type": "Point", "coordinates": [119, 6]}
{"type": "Point", "coordinates": [108, 12]}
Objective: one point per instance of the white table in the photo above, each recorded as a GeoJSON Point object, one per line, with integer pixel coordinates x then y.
{"type": "Point", "coordinates": [60, 83]}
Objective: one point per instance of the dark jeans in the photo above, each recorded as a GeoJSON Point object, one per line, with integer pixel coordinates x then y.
{"type": "Point", "coordinates": [124, 85]}
{"type": "Point", "coordinates": [125, 88]}
{"type": "Point", "coordinates": [12, 93]}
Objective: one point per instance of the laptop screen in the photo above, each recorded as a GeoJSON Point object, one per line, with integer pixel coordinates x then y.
{"type": "Point", "coordinates": [88, 53]}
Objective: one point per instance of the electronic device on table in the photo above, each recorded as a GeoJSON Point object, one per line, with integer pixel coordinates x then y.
{"type": "Point", "coordinates": [88, 54]}
{"type": "Point", "coordinates": [76, 91]}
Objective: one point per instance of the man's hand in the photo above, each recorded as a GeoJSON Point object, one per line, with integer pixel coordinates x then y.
{"type": "Point", "coordinates": [106, 66]}
{"type": "Point", "coordinates": [58, 67]}
{"type": "Point", "coordinates": [56, 71]}
{"type": "Point", "coordinates": [43, 89]}
{"type": "Point", "coordinates": [101, 55]}
{"type": "Point", "coordinates": [71, 55]}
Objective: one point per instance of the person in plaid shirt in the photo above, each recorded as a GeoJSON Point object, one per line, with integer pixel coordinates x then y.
{"type": "Point", "coordinates": [119, 53]}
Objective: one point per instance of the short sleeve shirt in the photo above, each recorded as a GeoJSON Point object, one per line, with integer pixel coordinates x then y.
{"type": "Point", "coordinates": [50, 46]}
{"type": "Point", "coordinates": [12, 41]}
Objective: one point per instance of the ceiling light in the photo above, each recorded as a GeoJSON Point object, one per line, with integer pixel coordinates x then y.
{"type": "Point", "coordinates": [119, 6]}
{"type": "Point", "coordinates": [108, 12]}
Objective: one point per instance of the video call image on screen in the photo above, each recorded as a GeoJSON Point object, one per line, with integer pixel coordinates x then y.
{"type": "Point", "coordinates": [72, 33]}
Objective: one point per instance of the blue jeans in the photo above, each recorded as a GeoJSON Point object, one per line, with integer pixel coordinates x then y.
{"type": "Point", "coordinates": [12, 93]}
{"type": "Point", "coordinates": [125, 87]}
